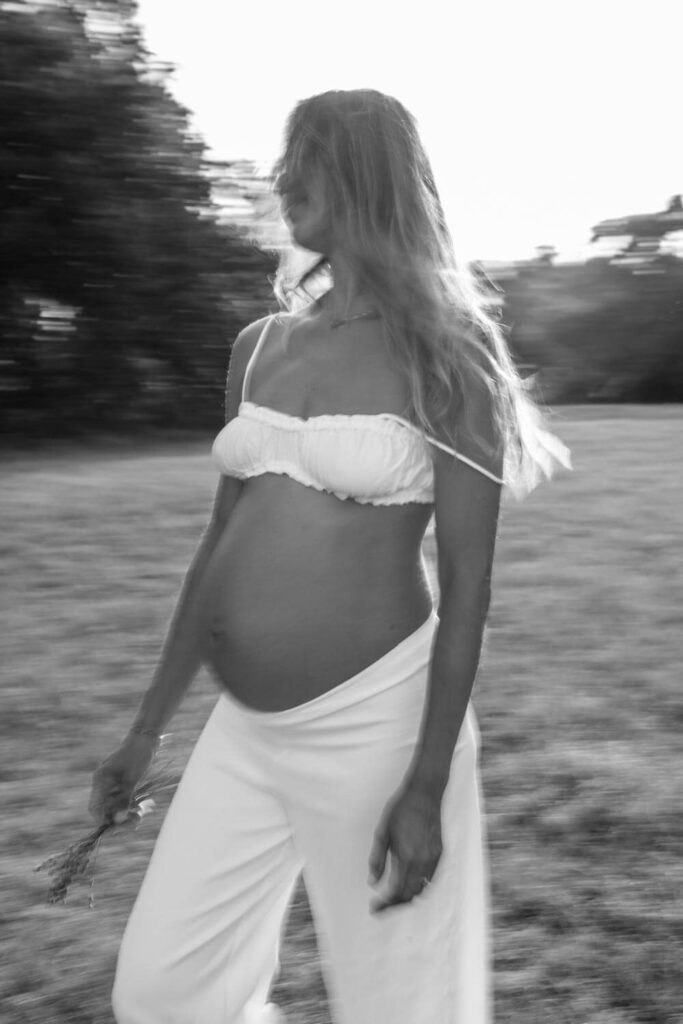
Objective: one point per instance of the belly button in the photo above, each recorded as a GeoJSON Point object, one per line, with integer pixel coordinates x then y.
{"type": "Point", "coordinates": [215, 629]}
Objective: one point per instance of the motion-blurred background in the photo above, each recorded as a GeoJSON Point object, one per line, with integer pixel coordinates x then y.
{"type": "Point", "coordinates": [126, 268]}
{"type": "Point", "coordinates": [133, 141]}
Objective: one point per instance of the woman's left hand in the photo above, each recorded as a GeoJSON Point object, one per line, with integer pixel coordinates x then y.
{"type": "Point", "coordinates": [410, 831]}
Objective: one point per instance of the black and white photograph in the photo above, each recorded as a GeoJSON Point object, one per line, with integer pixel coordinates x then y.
{"type": "Point", "coordinates": [341, 412]}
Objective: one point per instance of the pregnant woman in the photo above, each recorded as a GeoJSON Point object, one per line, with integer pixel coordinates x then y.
{"type": "Point", "coordinates": [343, 743]}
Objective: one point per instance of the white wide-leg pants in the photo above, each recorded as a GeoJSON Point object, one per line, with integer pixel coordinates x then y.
{"type": "Point", "coordinates": [266, 795]}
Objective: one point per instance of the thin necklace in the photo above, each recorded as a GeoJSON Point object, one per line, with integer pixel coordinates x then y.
{"type": "Point", "coordinates": [340, 321]}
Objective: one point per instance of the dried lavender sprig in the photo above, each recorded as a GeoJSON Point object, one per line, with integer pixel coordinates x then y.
{"type": "Point", "coordinates": [77, 861]}
{"type": "Point", "coordinates": [72, 864]}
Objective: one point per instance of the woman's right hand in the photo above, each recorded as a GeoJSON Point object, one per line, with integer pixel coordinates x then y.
{"type": "Point", "coordinates": [116, 779]}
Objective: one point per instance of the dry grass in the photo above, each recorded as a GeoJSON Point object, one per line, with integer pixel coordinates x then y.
{"type": "Point", "coordinates": [579, 703]}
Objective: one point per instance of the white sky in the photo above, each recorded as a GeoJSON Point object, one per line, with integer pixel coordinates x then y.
{"type": "Point", "coordinates": [542, 117]}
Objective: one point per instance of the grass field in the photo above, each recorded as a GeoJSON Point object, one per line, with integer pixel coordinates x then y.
{"type": "Point", "coordinates": [579, 701]}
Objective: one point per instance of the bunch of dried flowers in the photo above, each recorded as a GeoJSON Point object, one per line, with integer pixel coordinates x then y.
{"type": "Point", "coordinates": [77, 862]}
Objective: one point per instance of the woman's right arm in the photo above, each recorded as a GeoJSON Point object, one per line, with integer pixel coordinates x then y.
{"type": "Point", "coordinates": [180, 657]}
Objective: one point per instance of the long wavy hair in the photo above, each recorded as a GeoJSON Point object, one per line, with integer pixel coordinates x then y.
{"type": "Point", "coordinates": [389, 222]}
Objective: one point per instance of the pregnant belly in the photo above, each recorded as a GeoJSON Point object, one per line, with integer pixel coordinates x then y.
{"type": "Point", "coordinates": [301, 594]}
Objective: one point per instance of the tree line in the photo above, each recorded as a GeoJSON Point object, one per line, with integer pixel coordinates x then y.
{"type": "Point", "coordinates": [604, 330]}
{"type": "Point", "coordinates": [121, 287]}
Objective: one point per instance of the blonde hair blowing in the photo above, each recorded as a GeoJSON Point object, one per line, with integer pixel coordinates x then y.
{"type": "Point", "coordinates": [391, 227]}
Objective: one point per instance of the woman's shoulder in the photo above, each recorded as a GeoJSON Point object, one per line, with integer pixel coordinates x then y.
{"type": "Point", "coordinates": [250, 334]}
{"type": "Point", "coordinates": [244, 345]}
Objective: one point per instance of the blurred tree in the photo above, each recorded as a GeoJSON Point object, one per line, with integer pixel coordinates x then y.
{"type": "Point", "coordinates": [601, 330]}
{"type": "Point", "coordinates": [120, 290]}
{"type": "Point", "coordinates": [647, 227]}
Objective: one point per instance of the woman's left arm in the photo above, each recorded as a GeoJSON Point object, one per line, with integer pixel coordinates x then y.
{"type": "Point", "coordinates": [467, 505]}
{"type": "Point", "coordinates": [466, 517]}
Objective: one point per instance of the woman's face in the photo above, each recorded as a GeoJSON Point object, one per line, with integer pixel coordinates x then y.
{"type": "Point", "coordinates": [306, 210]}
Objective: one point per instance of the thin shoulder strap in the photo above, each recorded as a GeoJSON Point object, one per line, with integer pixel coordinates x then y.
{"type": "Point", "coordinates": [254, 355]}
{"type": "Point", "coordinates": [463, 458]}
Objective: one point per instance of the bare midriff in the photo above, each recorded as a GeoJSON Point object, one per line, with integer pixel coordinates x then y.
{"type": "Point", "coordinates": [304, 591]}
